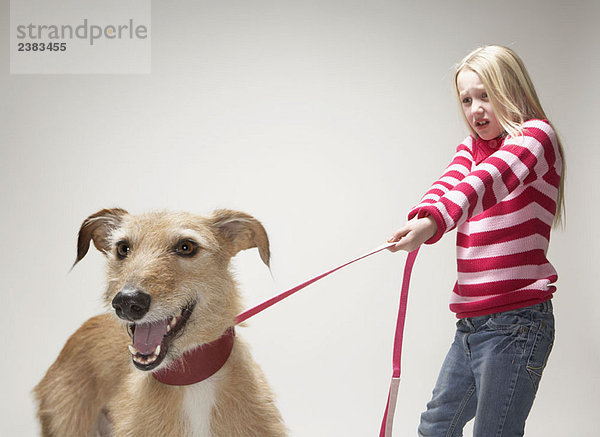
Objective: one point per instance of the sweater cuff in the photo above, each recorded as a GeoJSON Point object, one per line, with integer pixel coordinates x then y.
{"type": "Point", "coordinates": [413, 212]}
{"type": "Point", "coordinates": [430, 211]}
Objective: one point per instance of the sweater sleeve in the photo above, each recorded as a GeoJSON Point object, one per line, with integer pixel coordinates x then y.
{"type": "Point", "coordinates": [459, 167]}
{"type": "Point", "coordinates": [519, 161]}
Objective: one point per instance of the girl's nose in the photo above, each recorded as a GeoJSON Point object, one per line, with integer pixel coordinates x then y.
{"type": "Point", "coordinates": [477, 108]}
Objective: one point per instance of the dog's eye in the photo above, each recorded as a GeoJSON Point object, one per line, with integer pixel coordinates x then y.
{"type": "Point", "coordinates": [186, 248]}
{"type": "Point", "coordinates": [123, 249]}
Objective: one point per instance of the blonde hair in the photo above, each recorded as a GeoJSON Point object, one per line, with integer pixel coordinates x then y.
{"type": "Point", "coordinates": [512, 96]}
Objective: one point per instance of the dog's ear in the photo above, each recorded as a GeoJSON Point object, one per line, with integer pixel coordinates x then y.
{"type": "Point", "coordinates": [242, 231]}
{"type": "Point", "coordinates": [97, 228]}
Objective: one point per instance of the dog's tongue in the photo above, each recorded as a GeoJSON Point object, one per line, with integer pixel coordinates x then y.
{"type": "Point", "coordinates": [149, 335]}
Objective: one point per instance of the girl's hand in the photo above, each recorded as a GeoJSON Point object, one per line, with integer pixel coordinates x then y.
{"type": "Point", "coordinates": [413, 234]}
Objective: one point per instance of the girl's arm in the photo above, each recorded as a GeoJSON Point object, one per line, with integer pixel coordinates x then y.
{"type": "Point", "coordinates": [459, 167]}
{"type": "Point", "coordinates": [420, 229]}
{"type": "Point", "coordinates": [520, 161]}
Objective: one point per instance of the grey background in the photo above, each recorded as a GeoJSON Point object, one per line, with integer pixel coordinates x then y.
{"type": "Point", "coordinates": [326, 120]}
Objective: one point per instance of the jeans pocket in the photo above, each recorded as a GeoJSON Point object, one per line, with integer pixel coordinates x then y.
{"type": "Point", "coordinates": [543, 341]}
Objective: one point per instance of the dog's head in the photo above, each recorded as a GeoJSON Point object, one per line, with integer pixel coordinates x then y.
{"type": "Point", "coordinates": [168, 275]}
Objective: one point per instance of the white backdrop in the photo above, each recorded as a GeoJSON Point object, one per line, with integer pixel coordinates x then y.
{"type": "Point", "coordinates": [326, 120]}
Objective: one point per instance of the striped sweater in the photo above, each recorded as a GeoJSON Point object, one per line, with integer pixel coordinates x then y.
{"type": "Point", "coordinates": [501, 196]}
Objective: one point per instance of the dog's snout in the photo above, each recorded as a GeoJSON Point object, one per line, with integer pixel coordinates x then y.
{"type": "Point", "coordinates": [131, 304]}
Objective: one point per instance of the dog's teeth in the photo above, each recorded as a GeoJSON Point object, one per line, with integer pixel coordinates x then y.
{"type": "Point", "coordinates": [144, 361]}
{"type": "Point", "coordinates": [171, 324]}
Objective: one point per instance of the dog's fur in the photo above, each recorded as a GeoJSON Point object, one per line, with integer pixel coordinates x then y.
{"type": "Point", "coordinates": [94, 389]}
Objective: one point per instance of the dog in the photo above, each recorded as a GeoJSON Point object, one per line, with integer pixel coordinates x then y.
{"type": "Point", "coordinates": [166, 362]}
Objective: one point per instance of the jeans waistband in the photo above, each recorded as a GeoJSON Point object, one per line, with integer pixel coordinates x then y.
{"type": "Point", "coordinates": [544, 307]}
{"type": "Point", "coordinates": [476, 322]}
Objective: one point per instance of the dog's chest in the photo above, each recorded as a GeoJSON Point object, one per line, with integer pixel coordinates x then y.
{"type": "Point", "coordinates": [198, 402]}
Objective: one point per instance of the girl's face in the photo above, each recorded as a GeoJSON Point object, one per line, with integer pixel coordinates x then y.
{"type": "Point", "coordinates": [476, 105]}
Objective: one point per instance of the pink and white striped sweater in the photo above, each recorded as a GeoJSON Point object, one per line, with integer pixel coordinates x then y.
{"type": "Point", "coordinates": [501, 196]}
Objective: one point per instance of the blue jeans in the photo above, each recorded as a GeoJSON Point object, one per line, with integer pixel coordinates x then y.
{"type": "Point", "coordinates": [491, 373]}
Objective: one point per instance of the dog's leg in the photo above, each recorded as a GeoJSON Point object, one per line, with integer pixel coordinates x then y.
{"type": "Point", "coordinates": [84, 377]}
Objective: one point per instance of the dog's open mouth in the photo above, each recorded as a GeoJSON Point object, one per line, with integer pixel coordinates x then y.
{"type": "Point", "coordinates": [151, 340]}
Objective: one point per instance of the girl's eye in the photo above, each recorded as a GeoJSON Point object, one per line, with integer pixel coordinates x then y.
{"type": "Point", "coordinates": [123, 249]}
{"type": "Point", "coordinates": [186, 248]}
{"type": "Point", "coordinates": [466, 100]}
{"type": "Point", "coordinates": [484, 96]}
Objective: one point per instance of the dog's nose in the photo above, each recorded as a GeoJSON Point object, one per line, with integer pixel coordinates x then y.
{"type": "Point", "coordinates": [131, 304]}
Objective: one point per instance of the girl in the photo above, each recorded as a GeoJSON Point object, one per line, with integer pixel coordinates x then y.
{"type": "Point", "coordinates": [503, 191]}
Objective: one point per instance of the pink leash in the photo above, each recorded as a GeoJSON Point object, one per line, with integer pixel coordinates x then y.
{"type": "Point", "coordinates": [388, 418]}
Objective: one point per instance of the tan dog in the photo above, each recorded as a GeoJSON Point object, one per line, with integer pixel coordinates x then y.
{"type": "Point", "coordinates": [170, 286]}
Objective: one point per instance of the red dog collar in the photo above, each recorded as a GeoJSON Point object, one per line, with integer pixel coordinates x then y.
{"type": "Point", "coordinates": [198, 364]}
